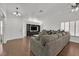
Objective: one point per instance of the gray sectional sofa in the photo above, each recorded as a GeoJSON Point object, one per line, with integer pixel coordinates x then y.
{"type": "Point", "coordinates": [49, 44]}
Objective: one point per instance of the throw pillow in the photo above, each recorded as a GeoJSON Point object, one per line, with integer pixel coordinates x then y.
{"type": "Point", "coordinates": [59, 35]}
{"type": "Point", "coordinates": [41, 33]}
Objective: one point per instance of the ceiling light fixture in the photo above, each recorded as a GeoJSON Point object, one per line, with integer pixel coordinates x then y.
{"type": "Point", "coordinates": [17, 13]}
{"type": "Point", "coordinates": [75, 7]}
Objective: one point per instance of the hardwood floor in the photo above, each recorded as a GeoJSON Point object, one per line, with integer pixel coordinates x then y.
{"type": "Point", "coordinates": [71, 49]}
{"type": "Point", "coordinates": [21, 47]}
{"type": "Point", "coordinates": [17, 47]}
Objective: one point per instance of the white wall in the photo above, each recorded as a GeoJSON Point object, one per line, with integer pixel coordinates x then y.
{"type": "Point", "coordinates": [13, 25]}
{"type": "Point", "coordinates": [13, 28]}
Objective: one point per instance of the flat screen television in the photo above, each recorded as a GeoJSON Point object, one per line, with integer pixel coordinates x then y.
{"type": "Point", "coordinates": [34, 28]}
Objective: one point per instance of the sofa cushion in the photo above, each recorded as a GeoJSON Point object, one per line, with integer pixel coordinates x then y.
{"type": "Point", "coordinates": [44, 32]}
{"type": "Point", "coordinates": [50, 32]}
{"type": "Point", "coordinates": [63, 33]}
{"type": "Point", "coordinates": [59, 35]}
{"type": "Point", "coordinates": [55, 36]}
{"type": "Point", "coordinates": [54, 32]}
{"type": "Point", "coordinates": [40, 34]}
{"type": "Point", "coordinates": [45, 39]}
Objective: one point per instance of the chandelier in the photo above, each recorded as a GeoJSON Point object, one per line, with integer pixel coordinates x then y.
{"type": "Point", "coordinates": [17, 13]}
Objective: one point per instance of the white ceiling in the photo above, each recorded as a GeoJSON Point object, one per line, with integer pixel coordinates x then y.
{"type": "Point", "coordinates": [51, 11]}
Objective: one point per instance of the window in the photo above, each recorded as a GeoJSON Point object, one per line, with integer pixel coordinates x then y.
{"type": "Point", "coordinates": [72, 23]}
{"type": "Point", "coordinates": [67, 26]}
{"type": "Point", "coordinates": [62, 26]}
{"type": "Point", "coordinates": [71, 26]}
{"type": "Point", "coordinates": [77, 28]}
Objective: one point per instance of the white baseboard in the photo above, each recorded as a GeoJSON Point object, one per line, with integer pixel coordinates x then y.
{"type": "Point", "coordinates": [5, 41]}
{"type": "Point", "coordinates": [74, 39]}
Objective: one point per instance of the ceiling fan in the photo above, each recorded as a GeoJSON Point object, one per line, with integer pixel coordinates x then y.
{"type": "Point", "coordinates": [17, 13]}
{"type": "Point", "coordinates": [75, 7]}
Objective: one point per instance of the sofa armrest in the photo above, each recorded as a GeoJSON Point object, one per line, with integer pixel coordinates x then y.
{"type": "Point", "coordinates": [37, 47]}
{"type": "Point", "coordinates": [35, 41]}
